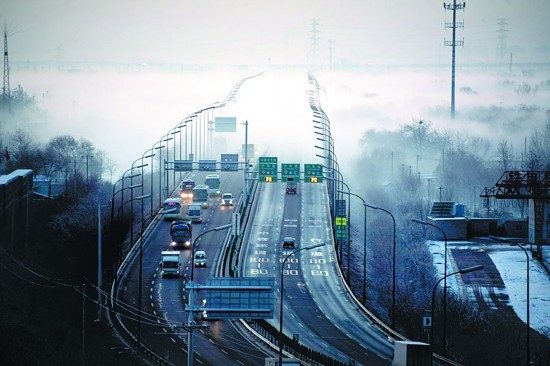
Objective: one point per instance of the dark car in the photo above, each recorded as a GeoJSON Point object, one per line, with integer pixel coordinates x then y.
{"type": "Point", "coordinates": [289, 242]}
{"type": "Point", "coordinates": [291, 188]}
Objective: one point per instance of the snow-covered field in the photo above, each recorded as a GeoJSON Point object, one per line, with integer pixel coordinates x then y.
{"type": "Point", "coordinates": [510, 262]}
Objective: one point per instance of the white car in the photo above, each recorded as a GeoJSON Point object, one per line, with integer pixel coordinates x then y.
{"type": "Point", "coordinates": [227, 199]}
{"type": "Point", "coordinates": [200, 258]}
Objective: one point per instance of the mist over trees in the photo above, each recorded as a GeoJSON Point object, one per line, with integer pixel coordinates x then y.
{"type": "Point", "coordinates": [404, 172]}
{"type": "Point", "coordinates": [62, 157]}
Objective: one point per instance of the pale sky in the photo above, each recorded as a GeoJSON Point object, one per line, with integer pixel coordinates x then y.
{"type": "Point", "coordinates": [276, 31]}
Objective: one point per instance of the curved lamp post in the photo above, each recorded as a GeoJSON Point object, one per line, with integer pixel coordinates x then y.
{"type": "Point", "coordinates": [191, 293]}
{"type": "Point", "coordinates": [131, 176]}
{"type": "Point", "coordinates": [348, 223]}
{"type": "Point", "coordinates": [132, 195]}
{"type": "Point", "coordinates": [141, 268]}
{"type": "Point", "coordinates": [527, 285]}
{"type": "Point", "coordinates": [175, 131]}
{"type": "Point", "coordinates": [155, 147]}
{"type": "Point", "coordinates": [282, 291]}
{"type": "Point", "coordinates": [120, 190]}
{"type": "Point", "coordinates": [461, 271]}
{"type": "Point", "coordinates": [444, 283]}
{"type": "Point", "coordinates": [161, 166]}
{"type": "Point", "coordinates": [121, 208]}
{"type": "Point", "coordinates": [393, 269]}
{"type": "Point", "coordinates": [364, 244]}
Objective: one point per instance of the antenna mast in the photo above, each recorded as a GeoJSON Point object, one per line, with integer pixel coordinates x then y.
{"type": "Point", "coordinates": [454, 7]}
{"type": "Point", "coordinates": [6, 86]}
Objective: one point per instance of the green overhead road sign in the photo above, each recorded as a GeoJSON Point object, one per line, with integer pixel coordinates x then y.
{"type": "Point", "coordinates": [290, 172]}
{"type": "Point", "coordinates": [313, 173]}
{"type": "Point", "coordinates": [183, 165]}
{"type": "Point", "coordinates": [268, 169]}
{"type": "Point", "coordinates": [341, 228]}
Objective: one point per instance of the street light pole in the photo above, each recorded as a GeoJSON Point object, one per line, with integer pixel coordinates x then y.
{"type": "Point", "coordinates": [140, 268]}
{"type": "Point", "coordinates": [191, 293]}
{"type": "Point", "coordinates": [461, 271]}
{"type": "Point", "coordinates": [122, 190]}
{"type": "Point", "coordinates": [281, 336]}
{"type": "Point", "coordinates": [444, 283]}
{"type": "Point", "coordinates": [348, 224]}
{"type": "Point", "coordinates": [393, 269]}
{"type": "Point", "coordinates": [527, 285]}
{"type": "Point", "coordinates": [364, 247]}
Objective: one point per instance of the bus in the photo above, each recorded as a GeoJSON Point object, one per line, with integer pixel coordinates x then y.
{"type": "Point", "coordinates": [171, 209]}
{"type": "Point", "coordinates": [213, 183]}
{"type": "Point", "coordinates": [200, 195]}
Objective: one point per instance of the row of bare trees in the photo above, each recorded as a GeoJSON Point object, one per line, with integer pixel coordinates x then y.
{"type": "Point", "coordinates": [405, 172]}
{"type": "Point", "coordinates": [62, 159]}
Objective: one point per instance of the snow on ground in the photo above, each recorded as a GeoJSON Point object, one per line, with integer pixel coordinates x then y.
{"type": "Point", "coordinates": [510, 262]}
{"type": "Point", "coordinates": [513, 270]}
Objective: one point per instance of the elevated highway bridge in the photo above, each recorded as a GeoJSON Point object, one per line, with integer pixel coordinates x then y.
{"type": "Point", "coordinates": [323, 322]}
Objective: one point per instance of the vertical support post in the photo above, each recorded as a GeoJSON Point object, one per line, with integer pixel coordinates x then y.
{"type": "Point", "coordinates": [99, 261]}
{"type": "Point", "coordinates": [245, 183]}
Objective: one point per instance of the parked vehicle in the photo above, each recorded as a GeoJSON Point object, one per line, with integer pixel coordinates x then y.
{"type": "Point", "coordinates": [170, 263]}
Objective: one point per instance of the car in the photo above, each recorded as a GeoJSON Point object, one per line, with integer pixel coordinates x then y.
{"type": "Point", "coordinates": [289, 242]}
{"type": "Point", "coordinates": [200, 258]}
{"type": "Point", "coordinates": [291, 188]}
{"type": "Point", "coordinates": [227, 199]}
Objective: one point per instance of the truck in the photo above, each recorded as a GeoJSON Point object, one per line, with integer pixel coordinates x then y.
{"type": "Point", "coordinates": [170, 263]}
{"type": "Point", "coordinates": [186, 190]}
{"type": "Point", "coordinates": [181, 234]}
{"type": "Point", "coordinates": [194, 213]}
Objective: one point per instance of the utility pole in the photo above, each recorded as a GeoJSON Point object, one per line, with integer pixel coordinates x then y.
{"type": "Point", "coordinates": [502, 49]}
{"type": "Point", "coordinates": [87, 168]}
{"type": "Point", "coordinates": [454, 7]}
{"type": "Point", "coordinates": [245, 182]}
{"type": "Point", "coordinates": [314, 58]}
{"type": "Point", "coordinates": [83, 354]}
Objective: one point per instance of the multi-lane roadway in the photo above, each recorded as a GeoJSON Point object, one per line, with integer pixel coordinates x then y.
{"type": "Point", "coordinates": [316, 305]}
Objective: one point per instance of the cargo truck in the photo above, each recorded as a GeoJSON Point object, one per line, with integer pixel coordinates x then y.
{"type": "Point", "coordinates": [170, 263]}
{"type": "Point", "coordinates": [181, 234]}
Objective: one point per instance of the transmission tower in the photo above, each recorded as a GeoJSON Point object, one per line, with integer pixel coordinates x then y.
{"type": "Point", "coordinates": [502, 49]}
{"type": "Point", "coordinates": [314, 58]}
{"type": "Point", "coordinates": [6, 86]}
{"type": "Point", "coordinates": [454, 7]}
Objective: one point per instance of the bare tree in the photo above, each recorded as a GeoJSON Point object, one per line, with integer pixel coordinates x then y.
{"type": "Point", "coordinates": [505, 154]}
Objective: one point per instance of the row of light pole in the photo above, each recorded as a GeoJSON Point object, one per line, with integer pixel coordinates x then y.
{"type": "Point", "coordinates": [425, 223]}
{"type": "Point", "coordinates": [324, 131]}
{"type": "Point", "coordinates": [322, 128]}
